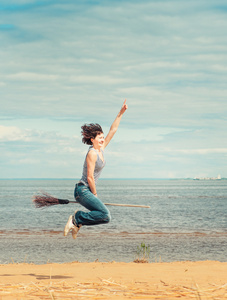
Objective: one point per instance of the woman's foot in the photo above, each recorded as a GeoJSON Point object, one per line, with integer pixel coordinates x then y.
{"type": "Point", "coordinates": [75, 230]}
{"type": "Point", "coordinates": [69, 226]}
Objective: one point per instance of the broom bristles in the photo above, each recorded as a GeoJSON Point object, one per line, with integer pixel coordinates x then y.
{"type": "Point", "coordinates": [45, 200]}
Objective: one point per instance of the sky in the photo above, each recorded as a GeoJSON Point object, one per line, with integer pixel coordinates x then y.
{"type": "Point", "coordinates": [65, 63]}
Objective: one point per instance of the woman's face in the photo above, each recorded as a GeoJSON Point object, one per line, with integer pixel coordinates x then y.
{"type": "Point", "coordinates": [98, 142]}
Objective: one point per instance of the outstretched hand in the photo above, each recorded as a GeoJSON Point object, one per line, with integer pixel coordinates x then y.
{"type": "Point", "coordinates": [124, 107]}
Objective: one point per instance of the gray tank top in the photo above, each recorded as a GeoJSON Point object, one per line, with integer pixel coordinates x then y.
{"type": "Point", "coordinates": [99, 165]}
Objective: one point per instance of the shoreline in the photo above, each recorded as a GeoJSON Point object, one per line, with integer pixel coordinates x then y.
{"type": "Point", "coordinates": [43, 246]}
{"type": "Point", "coordinates": [114, 280]}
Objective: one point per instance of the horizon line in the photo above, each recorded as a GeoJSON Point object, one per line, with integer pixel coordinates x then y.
{"type": "Point", "coordinates": [112, 178]}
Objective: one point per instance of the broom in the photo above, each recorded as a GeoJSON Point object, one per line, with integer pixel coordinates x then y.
{"type": "Point", "coordinates": [46, 199]}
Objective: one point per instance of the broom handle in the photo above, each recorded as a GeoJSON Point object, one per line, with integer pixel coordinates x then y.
{"type": "Point", "coordinates": [127, 205]}
{"type": "Point", "coordinates": [115, 204]}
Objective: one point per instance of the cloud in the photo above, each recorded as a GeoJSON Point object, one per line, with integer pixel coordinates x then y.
{"type": "Point", "coordinates": [27, 153]}
{"type": "Point", "coordinates": [102, 80]}
{"type": "Point", "coordinates": [12, 133]}
{"type": "Point", "coordinates": [48, 141]}
{"type": "Point", "coordinates": [198, 151]}
{"type": "Point", "coordinates": [29, 76]}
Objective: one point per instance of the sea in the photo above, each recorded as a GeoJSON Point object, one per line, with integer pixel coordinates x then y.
{"type": "Point", "coordinates": [186, 221]}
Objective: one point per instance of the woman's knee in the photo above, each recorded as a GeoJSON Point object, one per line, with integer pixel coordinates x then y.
{"type": "Point", "coordinates": [107, 218]}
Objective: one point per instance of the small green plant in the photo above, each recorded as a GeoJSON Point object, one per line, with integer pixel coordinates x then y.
{"type": "Point", "coordinates": [143, 253]}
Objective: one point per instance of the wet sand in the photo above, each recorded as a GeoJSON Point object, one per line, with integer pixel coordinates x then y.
{"type": "Point", "coordinates": [97, 280]}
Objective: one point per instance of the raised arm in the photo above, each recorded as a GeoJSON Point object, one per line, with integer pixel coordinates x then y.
{"type": "Point", "coordinates": [115, 124]}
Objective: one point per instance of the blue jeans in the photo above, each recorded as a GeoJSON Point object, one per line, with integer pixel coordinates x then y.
{"type": "Point", "coordinates": [98, 214]}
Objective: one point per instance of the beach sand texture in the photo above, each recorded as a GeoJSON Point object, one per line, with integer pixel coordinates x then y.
{"type": "Point", "coordinates": [114, 280]}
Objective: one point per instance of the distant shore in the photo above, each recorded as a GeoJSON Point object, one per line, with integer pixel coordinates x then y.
{"type": "Point", "coordinates": [77, 179]}
{"type": "Point", "coordinates": [97, 280]}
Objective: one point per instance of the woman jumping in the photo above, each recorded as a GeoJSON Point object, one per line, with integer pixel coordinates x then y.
{"type": "Point", "coordinates": [85, 191]}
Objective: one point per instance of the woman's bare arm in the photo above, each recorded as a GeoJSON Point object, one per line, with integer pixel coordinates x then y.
{"type": "Point", "coordinates": [91, 160]}
{"type": "Point", "coordinates": [115, 124]}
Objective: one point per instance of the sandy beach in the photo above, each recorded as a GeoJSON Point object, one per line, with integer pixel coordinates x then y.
{"type": "Point", "coordinates": [114, 280]}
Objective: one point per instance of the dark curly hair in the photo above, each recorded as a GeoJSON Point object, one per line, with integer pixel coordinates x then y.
{"type": "Point", "coordinates": [90, 131]}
